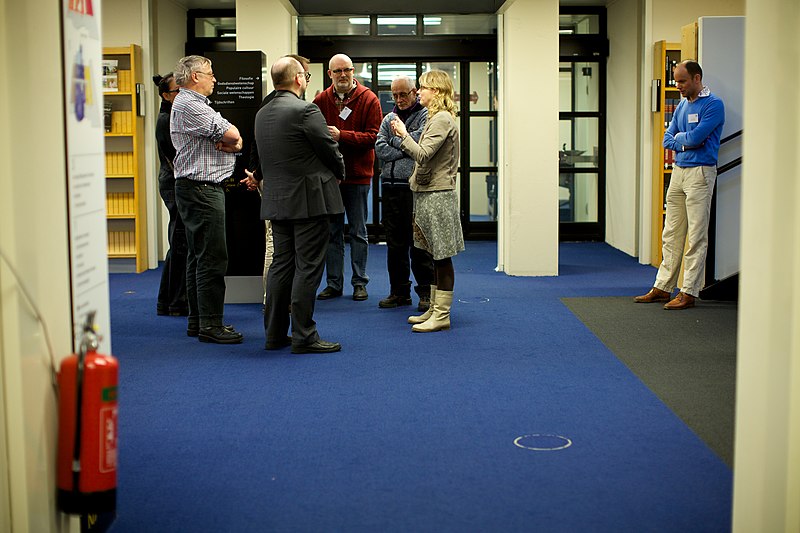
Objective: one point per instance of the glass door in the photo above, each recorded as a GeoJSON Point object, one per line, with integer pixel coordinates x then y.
{"type": "Point", "coordinates": [582, 125]}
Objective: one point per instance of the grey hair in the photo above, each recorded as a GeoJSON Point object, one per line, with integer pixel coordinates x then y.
{"type": "Point", "coordinates": [188, 65]}
{"type": "Point", "coordinates": [409, 81]}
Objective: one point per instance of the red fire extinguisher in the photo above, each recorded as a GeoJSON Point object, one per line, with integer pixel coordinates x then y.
{"type": "Point", "coordinates": [87, 429]}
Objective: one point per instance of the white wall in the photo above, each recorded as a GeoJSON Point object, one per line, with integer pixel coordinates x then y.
{"type": "Point", "coordinates": [33, 236]}
{"type": "Point", "coordinates": [528, 223]}
{"type": "Point", "coordinates": [169, 45]}
{"type": "Point", "coordinates": [624, 125]}
{"type": "Point", "coordinates": [721, 53]}
{"type": "Point", "coordinates": [669, 16]}
{"type": "Point", "coordinates": [268, 26]}
{"type": "Point", "coordinates": [767, 464]}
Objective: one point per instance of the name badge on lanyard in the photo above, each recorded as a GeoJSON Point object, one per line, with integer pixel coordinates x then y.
{"type": "Point", "coordinates": [694, 118]}
{"type": "Point", "coordinates": [346, 113]}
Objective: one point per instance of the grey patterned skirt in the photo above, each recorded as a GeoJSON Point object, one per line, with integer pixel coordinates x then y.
{"type": "Point", "coordinates": [437, 228]}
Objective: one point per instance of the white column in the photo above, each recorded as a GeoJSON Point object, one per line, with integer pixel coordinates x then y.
{"type": "Point", "coordinates": [767, 463]}
{"type": "Point", "coordinates": [268, 26]}
{"type": "Point", "coordinates": [528, 223]}
{"type": "Point", "coordinates": [33, 237]}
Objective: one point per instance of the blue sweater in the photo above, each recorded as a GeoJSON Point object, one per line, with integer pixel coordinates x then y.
{"type": "Point", "coordinates": [397, 165]}
{"type": "Point", "coordinates": [695, 130]}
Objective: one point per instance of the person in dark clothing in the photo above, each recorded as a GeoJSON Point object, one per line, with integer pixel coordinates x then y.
{"type": "Point", "coordinates": [402, 257]}
{"type": "Point", "coordinates": [172, 291]}
{"type": "Point", "coordinates": [302, 166]}
{"type": "Point", "coordinates": [254, 179]}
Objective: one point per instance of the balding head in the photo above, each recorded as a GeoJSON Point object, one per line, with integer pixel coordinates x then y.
{"type": "Point", "coordinates": [284, 73]}
{"type": "Point", "coordinates": [340, 70]}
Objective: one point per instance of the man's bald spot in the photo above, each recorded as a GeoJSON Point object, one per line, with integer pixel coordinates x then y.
{"type": "Point", "coordinates": [284, 70]}
{"type": "Point", "coordinates": [339, 58]}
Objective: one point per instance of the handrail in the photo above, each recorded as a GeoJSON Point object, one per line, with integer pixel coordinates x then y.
{"type": "Point", "coordinates": [731, 136]}
{"type": "Point", "coordinates": [729, 165]}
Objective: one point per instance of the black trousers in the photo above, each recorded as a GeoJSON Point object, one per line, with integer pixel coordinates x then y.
{"type": "Point", "coordinates": [202, 208]}
{"type": "Point", "coordinates": [172, 291]}
{"type": "Point", "coordinates": [298, 262]}
{"type": "Point", "coordinates": [402, 257]}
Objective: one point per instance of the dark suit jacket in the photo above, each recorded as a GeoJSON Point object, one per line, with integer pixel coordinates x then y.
{"type": "Point", "coordinates": [300, 161]}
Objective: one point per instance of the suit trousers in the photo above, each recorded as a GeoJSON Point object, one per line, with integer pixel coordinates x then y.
{"type": "Point", "coordinates": [202, 208]}
{"type": "Point", "coordinates": [688, 208]}
{"type": "Point", "coordinates": [297, 266]}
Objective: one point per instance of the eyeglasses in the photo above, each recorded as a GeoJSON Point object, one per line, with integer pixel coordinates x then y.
{"type": "Point", "coordinates": [343, 70]}
{"type": "Point", "coordinates": [209, 74]}
{"type": "Point", "coordinates": [308, 76]}
{"type": "Point", "coordinates": [173, 91]}
{"type": "Point", "coordinates": [398, 96]}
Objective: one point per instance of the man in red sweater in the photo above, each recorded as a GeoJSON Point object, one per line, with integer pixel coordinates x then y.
{"type": "Point", "coordinates": [353, 114]}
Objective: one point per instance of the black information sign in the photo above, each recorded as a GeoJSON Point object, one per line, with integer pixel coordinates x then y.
{"type": "Point", "coordinates": [237, 95]}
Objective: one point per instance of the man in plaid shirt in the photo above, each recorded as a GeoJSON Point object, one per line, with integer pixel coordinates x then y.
{"type": "Point", "coordinates": [205, 145]}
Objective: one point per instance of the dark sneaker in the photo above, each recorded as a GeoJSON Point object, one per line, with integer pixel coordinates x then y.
{"type": "Point", "coordinates": [393, 301]}
{"type": "Point", "coordinates": [328, 293]}
{"type": "Point", "coordinates": [360, 293]}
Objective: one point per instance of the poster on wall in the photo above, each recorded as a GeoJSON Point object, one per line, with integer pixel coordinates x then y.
{"type": "Point", "coordinates": [86, 188]}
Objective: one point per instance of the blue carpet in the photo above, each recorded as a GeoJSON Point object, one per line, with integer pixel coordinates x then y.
{"type": "Point", "coordinates": [407, 432]}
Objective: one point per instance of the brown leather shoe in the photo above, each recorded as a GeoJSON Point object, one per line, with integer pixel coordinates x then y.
{"type": "Point", "coordinates": [681, 301]}
{"type": "Point", "coordinates": [655, 295]}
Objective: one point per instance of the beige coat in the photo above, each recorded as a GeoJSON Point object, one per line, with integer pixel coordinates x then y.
{"type": "Point", "coordinates": [436, 154]}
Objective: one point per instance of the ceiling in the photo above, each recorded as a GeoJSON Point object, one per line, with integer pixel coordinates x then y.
{"type": "Point", "coordinates": [358, 7]}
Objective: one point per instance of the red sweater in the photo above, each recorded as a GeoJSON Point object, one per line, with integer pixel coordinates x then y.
{"type": "Point", "coordinates": [359, 130]}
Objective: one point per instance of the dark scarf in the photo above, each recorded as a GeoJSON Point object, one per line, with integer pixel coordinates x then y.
{"type": "Point", "coordinates": [405, 113]}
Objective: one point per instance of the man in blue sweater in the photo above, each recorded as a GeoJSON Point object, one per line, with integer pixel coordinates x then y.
{"type": "Point", "coordinates": [694, 135]}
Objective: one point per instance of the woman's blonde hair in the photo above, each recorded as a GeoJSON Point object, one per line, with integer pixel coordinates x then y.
{"type": "Point", "coordinates": [443, 98]}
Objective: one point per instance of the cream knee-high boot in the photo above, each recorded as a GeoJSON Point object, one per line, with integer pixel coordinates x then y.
{"type": "Point", "coordinates": [440, 319]}
{"type": "Point", "coordinates": [427, 314]}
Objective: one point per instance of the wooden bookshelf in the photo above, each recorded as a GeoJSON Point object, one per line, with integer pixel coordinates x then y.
{"type": "Point", "coordinates": [664, 55]}
{"type": "Point", "coordinates": [126, 205]}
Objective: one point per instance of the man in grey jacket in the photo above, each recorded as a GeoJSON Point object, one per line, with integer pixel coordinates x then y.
{"type": "Point", "coordinates": [398, 203]}
{"type": "Point", "coordinates": [302, 166]}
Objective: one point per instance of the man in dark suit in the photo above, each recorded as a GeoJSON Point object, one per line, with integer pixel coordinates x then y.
{"type": "Point", "coordinates": [301, 167]}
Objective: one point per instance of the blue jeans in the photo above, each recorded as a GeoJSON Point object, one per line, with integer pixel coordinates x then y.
{"type": "Point", "coordinates": [355, 207]}
{"type": "Point", "coordinates": [202, 208]}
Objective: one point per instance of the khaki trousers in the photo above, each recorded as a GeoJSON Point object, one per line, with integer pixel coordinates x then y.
{"type": "Point", "coordinates": [688, 209]}
{"type": "Point", "coordinates": [269, 250]}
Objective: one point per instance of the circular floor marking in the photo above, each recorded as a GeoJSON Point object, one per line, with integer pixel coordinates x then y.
{"type": "Point", "coordinates": [541, 442]}
{"type": "Point", "coordinates": [474, 300]}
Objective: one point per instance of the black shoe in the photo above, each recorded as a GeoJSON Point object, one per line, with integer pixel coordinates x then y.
{"type": "Point", "coordinates": [194, 331]}
{"type": "Point", "coordinates": [319, 346]}
{"type": "Point", "coordinates": [277, 345]}
{"type": "Point", "coordinates": [393, 300]}
{"type": "Point", "coordinates": [360, 293]}
{"type": "Point", "coordinates": [220, 335]}
{"type": "Point", "coordinates": [328, 293]}
{"type": "Point", "coordinates": [424, 303]}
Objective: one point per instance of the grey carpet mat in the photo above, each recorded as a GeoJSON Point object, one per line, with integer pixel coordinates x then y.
{"type": "Point", "coordinates": [687, 358]}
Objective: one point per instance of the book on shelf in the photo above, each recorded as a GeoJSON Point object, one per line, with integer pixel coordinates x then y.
{"type": "Point", "coordinates": [107, 110]}
{"type": "Point", "coordinates": [110, 76]}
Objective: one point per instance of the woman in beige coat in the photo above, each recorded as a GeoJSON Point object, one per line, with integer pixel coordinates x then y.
{"type": "Point", "coordinates": [437, 227]}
